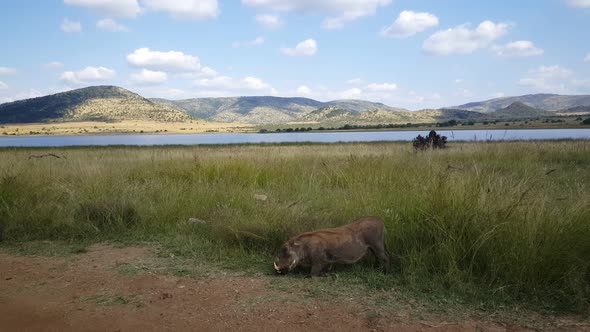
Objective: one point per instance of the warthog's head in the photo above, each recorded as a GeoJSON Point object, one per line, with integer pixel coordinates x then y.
{"type": "Point", "coordinates": [288, 257]}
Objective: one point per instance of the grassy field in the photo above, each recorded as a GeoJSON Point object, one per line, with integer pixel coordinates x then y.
{"type": "Point", "coordinates": [120, 127]}
{"type": "Point", "coordinates": [492, 224]}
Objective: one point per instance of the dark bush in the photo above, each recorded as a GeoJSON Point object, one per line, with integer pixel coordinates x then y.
{"type": "Point", "coordinates": [432, 141]}
{"type": "Point", "coordinates": [586, 122]}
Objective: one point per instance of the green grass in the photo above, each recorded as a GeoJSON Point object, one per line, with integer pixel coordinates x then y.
{"type": "Point", "coordinates": [482, 223]}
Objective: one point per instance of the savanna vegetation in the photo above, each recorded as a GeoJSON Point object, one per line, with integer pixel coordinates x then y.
{"type": "Point", "coordinates": [485, 223]}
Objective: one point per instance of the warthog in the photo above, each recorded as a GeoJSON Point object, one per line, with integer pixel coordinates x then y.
{"type": "Point", "coordinates": [343, 245]}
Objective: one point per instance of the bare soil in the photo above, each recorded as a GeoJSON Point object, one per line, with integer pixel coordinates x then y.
{"type": "Point", "coordinates": [124, 289]}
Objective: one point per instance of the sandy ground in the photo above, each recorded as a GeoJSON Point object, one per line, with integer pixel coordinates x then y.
{"type": "Point", "coordinates": [85, 128]}
{"type": "Point", "coordinates": [91, 292]}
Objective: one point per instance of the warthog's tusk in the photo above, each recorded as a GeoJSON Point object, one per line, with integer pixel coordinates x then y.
{"type": "Point", "coordinates": [276, 267]}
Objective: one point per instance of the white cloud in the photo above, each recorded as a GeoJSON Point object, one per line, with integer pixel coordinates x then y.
{"type": "Point", "coordinates": [307, 47]}
{"type": "Point", "coordinates": [269, 20]}
{"type": "Point", "coordinates": [547, 79]}
{"type": "Point", "coordinates": [551, 72]}
{"type": "Point", "coordinates": [185, 9]}
{"type": "Point", "coordinates": [350, 93]}
{"type": "Point", "coordinates": [532, 82]}
{"type": "Point", "coordinates": [345, 10]}
{"type": "Point", "coordinates": [303, 90]}
{"type": "Point", "coordinates": [381, 92]}
{"type": "Point", "coordinates": [540, 84]}
{"type": "Point", "coordinates": [70, 26]}
{"type": "Point", "coordinates": [521, 48]}
{"type": "Point", "coordinates": [410, 23]}
{"type": "Point", "coordinates": [53, 64]}
{"type": "Point", "coordinates": [354, 81]}
{"type": "Point", "coordinates": [172, 61]}
{"type": "Point", "coordinates": [579, 3]}
{"type": "Point", "coordinates": [587, 58]}
{"type": "Point", "coordinates": [225, 85]}
{"type": "Point", "coordinates": [117, 8]}
{"type": "Point", "coordinates": [3, 86]}
{"type": "Point", "coordinates": [255, 83]}
{"type": "Point", "coordinates": [382, 87]}
{"type": "Point", "coordinates": [7, 71]}
{"type": "Point", "coordinates": [149, 77]}
{"type": "Point", "coordinates": [459, 80]}
{"type": "Point", "coordinates": [111, 25]}
{"type": "Point", "coordinates": [206, 71]}
{"type": "Point", "coordinates": [254, 42]}
{"type": "Point", "coordinates": [462, 40]}
{"type": "Point", "coordinates": [88, 75]}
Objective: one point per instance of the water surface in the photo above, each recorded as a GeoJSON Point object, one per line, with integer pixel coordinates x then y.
{"type": "Point", "coordinates": [317, 137]}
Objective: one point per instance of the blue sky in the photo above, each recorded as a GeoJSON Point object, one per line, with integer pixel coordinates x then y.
{"type": "Point", "coordinates": [408, 53]}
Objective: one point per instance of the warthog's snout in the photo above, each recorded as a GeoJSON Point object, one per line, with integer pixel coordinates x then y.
{"type": "Point", "coordinates": [280, 268]}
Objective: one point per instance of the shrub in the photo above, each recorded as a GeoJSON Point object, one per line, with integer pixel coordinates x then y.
{"type": "Point", "coordinates": [586, 122]}
{"type": "Point", "coordinates": [432, 141]}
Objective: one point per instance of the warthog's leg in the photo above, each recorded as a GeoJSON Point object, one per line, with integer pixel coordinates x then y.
{"type": "Point", "coordinates": [317, 269]}
{"type": "Point", "coordinates": [379, 251]}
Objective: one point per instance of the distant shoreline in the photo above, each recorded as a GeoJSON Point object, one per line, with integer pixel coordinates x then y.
{"type": "Point", "coordinates": [182, 128]}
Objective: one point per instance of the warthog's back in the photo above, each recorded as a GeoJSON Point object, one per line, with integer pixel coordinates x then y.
{"type": "Point", "coordinates": [367, 225]}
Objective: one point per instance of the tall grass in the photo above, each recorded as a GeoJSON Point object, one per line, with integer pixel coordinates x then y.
{"type": "Point", "coordinates": [507, 220]}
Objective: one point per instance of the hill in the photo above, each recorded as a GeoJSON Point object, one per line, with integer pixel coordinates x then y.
{"type": "Point", "coordinates": [267, 110]}
{"type": "Point", "coordinates": [360, 106]}
{"type": "Point", "coordinates": [97, 103]}
{"type": "Point", "coordinates": [546, 102]}
{"type": "Point", "coordinates": [328, 113]}
{"type": "Point", "coordinates": [110, 103]}
{"type": "Point", "coordinates": [444, 115]}
{"type": "Point", "coordinates": [519, 110]}
{"type": "Point", "coordinates": [577, 110]}
{"type": "Point", "coordinates": [333, 116]}
{"type": "Point", "coordinates": [263, 109]}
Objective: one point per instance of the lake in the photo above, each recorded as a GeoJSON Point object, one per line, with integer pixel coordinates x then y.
{"type": "Point", "coordinates": [317, 137]}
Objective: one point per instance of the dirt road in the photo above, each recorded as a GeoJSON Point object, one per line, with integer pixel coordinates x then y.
{"type": "Point", "coordinates": [104, 290]}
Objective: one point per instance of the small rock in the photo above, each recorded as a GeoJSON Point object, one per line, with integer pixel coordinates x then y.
{"type": "Point", "coordinates": [260, 197]}
{"type": "Point", "coordinates": [196, 221]}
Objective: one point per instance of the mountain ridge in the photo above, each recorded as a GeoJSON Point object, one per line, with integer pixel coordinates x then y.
{"type": "Point", "coordinates": [266, 109]}
{"type": "Point", "coordinates": [541, 101]}
{"type": "Point", "coordinates": [112, 103]}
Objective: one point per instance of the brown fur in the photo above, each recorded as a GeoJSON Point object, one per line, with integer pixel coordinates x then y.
{"type": "Point", "coordinates": [342, 245]}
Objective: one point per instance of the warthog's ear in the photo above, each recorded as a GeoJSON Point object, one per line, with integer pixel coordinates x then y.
{"type": "Point", "coordinates": [296, 244]}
